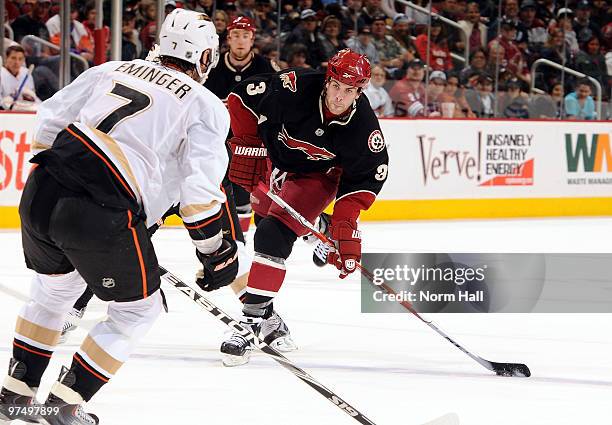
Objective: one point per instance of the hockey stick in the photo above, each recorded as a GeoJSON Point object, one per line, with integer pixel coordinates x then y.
{"type": "Point", "coordinates": [21, 86]}
{"type": "Point", "coordinates": [502, 369]}
{"type": "Point", "coordinates": [255, 341]}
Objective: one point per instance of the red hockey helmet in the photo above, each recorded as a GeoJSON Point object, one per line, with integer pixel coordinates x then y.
{"type": "Point", "coordinates": [350, 68]}
{"type": "Point", "coordinates": [241, 23]}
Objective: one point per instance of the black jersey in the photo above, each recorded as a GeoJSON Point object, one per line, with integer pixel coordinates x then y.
{"type": "Point", "coordinates": [224, 76]}
{"type": "Point", "coordinates": [288, 107]}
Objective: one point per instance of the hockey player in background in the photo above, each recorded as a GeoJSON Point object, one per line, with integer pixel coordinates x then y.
{"type": "Point", "coordinates": [236, 65]}
{"type": "Point", "coordinates": [121, 144]}
{"type": "Point", "coordinates": [311, 137]}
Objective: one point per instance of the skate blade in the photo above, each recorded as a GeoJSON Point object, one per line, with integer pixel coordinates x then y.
{"type": "Point", "coordinates": [229, 360]}
{"type": "Point", "coordinates": [284, 344]}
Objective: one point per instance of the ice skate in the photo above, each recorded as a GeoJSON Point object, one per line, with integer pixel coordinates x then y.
{"type": "Point", "coordinates": [64, 406]}
{"type": "Point", "coordinates": [319, 255]}
{"type": "Point", "coordinates": [276, 334]}
{"type": "Point", "coordinates": [71, 322]}
{"type": "Point", "coordinates": [16, 397]}
{"type": "Point", "coordinates": [236, 350]}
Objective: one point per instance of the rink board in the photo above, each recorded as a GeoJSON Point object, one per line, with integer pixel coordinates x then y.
{"type": "Point", "coordinates": [439, 169]}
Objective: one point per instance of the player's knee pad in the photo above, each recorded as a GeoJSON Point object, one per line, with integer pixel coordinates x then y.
{"type": "Point", "coordinates": [133, 319]}
{"type": "Point", "coordinates": [57, 293]}
{"type": "Point", "coordinates": [274, 238]}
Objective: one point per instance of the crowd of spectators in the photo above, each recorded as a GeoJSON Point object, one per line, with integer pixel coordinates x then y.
{"type": "Point", "coordinates": [418, 68]}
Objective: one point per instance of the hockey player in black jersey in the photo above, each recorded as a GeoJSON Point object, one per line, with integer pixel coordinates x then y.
{"type": "Point", "coordinates": [236, 65]}
{"type": "Point", "coordinates": [313, 138]}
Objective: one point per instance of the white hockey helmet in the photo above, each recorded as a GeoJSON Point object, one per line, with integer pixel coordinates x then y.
{"type": "Point", "coordinates": [186, 34]}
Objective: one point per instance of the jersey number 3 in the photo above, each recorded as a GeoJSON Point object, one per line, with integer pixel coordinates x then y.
{"type": "Point", "coordinates": [137, 102]}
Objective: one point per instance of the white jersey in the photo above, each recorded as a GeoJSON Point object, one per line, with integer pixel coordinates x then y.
{"type": "Point", "coordinates": [164, 131]}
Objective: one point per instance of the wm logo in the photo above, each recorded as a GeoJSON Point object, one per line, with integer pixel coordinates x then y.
{"type": "Point", "coordinates": [591, 153]}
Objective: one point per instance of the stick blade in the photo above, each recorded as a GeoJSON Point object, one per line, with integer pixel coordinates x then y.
{"type": "Point", "coordinates": [511, 369]}
{"type": "Point", "coordinates": [448, 419]}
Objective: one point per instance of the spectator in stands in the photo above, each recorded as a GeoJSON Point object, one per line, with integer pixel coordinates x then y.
{"type": "Point", "coordinates": [352, 18]}
{"type": "Point", "coordinates": [380, 101]}
{"type": "Point", "coordinates": [371, 9]}
{"type": "Point", "coordinates": [330, 37]}
{"type": "Point", "coordinates": [265, 17]}
{"type": "Point", "coordinates": [246, 8]}
{"type": "Point", "coordinates": [33, 22]}
{"type": "Point", "coordinates": [391, 54]}
{"type": "Point", "coordinates": [221, 21]}
{"type": "Point", "coordinates": [148, 32]}
{"type": "Point", "coordinates": [80, 42]}
{"type": "Point", "coordinates": [306, 33]}
{"type": "Point", "coordinates": [296, 57]}
{"type": "Point", "coordinates": [270, 52]}
{"type": "Point", "coordinates": [363, 45]}
{"type": "Point", "coordinates": [304, 4]}
{"type": "Point", "coordinates": [511, 14]}
{"type": "Point", "coordinates": [408, 94]}
{"type": "Point", "coordinates": [475, 29]}
{"type": "Point", "coordinates": [546, 10]}
{"type": "Point", "coordinates": [204, 6]}
{"type": "Point", "coordinates": [482, 100]}
{"type": "Point", "coordinates": [401, 32]}
{"type": "Point", "coordinates": [514, 103]}
{"type": "Point", "coordinates": [478, 64]}
{"type": "Point", "coordinates": [169, 6]}
{"type": "Point", "coordinates": [130, 44]}
{"type": "Point", "coordinates": [90, 25]}
{"type": "Point", "coordinates": [435, 93]}
{"type": "Point", "coordinates": [600, 13]}
{"type": "Point", "coordinates": [531, 26]}
{"type": "Point", "coordinates": [513, 59]}
{"type": "Point", "coordinates": [450, 10]}
{"type": "Point", "coordinates": [416, 17]}
{"type": "Point", "coordinates": [454, 93]}
{"type": "Point", "coordinates": [13, 78]}
{"type": "Point", "coordinates": [439, 55]}
{"type": "Point", "coordinates": [554, 51]}
{"type": "Point", "coordinates": [591, 62]}
{"type": "Point", "coordinates": [547, 105]}
{"type": "Point", "coordinates": [580, 104]}
{"type": "Point", "coordinates": [582, 25]}
{"type": "Point", "coordinates": [12, 11]}
{"type": "Point", "coordinates": [564, 23]}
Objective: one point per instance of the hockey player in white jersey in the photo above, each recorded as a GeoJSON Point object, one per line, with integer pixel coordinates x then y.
{"type": "Point", "coordinates": [119, 146]}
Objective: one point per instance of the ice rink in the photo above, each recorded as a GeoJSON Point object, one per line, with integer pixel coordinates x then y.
{"type": "Point", "coordinates": [391, 367]}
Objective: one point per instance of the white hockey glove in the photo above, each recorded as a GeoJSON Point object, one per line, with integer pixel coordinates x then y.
{"type": "Point", "coordinates": [277, 178]}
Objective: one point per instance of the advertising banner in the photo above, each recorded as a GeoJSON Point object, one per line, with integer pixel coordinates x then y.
{"type": "Point", "coordinates": [438, 168]}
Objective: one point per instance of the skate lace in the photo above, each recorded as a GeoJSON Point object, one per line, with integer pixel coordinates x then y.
{"type": "Point", "coordinates": [237, 339]}
{"type": "Point", "coordinates": [80, 414]}
{"type": "Point", "coordinates": [322, 251]}
{"type": "Point", "coordinates": [71, 319]}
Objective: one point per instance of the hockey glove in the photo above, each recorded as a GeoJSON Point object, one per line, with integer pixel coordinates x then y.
{"type": "Point", "coordinates": [348, 249]}
{"type": "Point", "coordinates": [248, 164]}
{"type": "Point", "coordinates": [220, 267]}
{"type": "Point", "coordinates": [277, 178]}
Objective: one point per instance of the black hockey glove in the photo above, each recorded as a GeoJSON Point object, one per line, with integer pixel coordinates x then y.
{"type": "Point", "coordinates": [220, 267]}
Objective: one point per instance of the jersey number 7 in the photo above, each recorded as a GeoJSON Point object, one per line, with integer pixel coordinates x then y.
{"type": "Point", "coordinates": [137, 102]}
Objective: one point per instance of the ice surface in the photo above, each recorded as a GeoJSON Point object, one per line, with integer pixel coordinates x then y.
{"type": "Point", "coordinates": [389, 366]}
